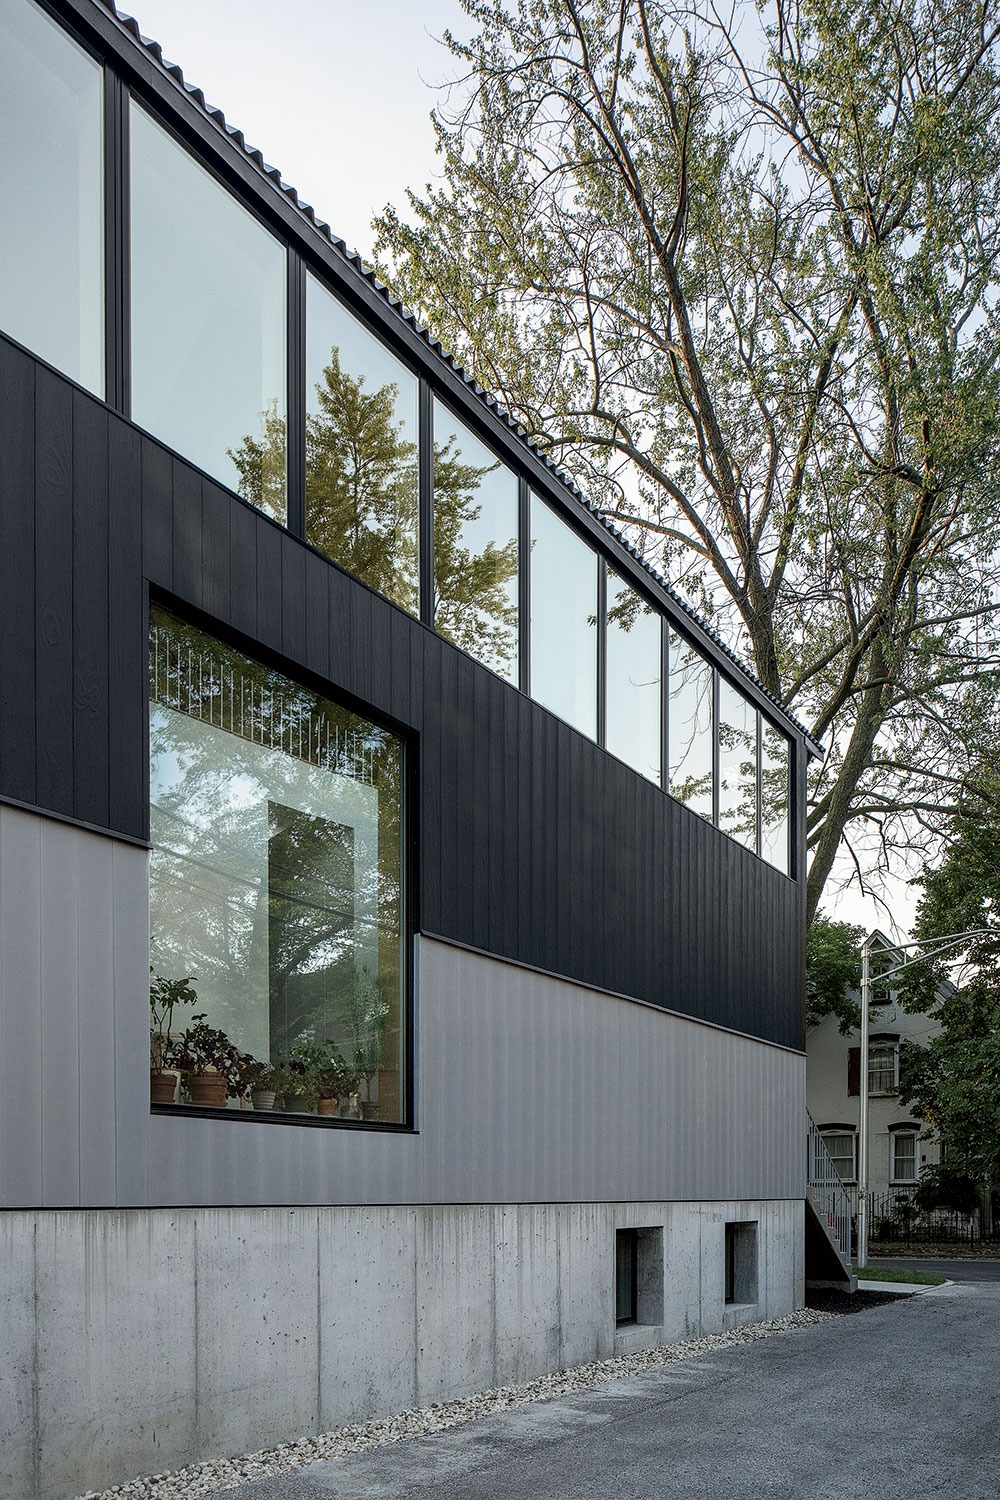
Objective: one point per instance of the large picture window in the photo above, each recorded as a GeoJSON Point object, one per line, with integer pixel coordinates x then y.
{"type": "Point", "coordinates": [276, 889]}
{"type": "Point", "coordinates": [51, 189]}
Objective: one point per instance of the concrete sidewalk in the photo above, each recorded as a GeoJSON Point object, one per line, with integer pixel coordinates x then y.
{"type": "Point", "coordinates": [895, 1288]}
{"type": "Point", "coordinates": [895, 1403]}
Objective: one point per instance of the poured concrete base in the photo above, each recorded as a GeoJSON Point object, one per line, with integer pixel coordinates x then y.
{"type": "Point", "coordinates": [136, 1341]}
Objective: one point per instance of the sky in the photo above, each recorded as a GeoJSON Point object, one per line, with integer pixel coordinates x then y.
{"type": "Point", "coordinates": [337, 95]}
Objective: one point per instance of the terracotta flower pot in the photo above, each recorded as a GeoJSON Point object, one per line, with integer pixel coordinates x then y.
{"type": "Point", "coordinates": [163, 1087]}
{"type": "Point", "coordinates": [207, 1089]}
{"type": "Point", "coordinates": [328, 1106]}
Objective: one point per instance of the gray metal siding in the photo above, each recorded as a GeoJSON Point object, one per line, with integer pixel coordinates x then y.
{"type": "Point", "coordinates": [530, 1088]}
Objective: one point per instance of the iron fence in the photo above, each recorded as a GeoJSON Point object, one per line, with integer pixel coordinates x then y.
{"type": "Point", "coordinates": [895, 1217]}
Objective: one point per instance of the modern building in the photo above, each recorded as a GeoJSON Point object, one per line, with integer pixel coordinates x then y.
{"type": "Point", "coordinates": [331, 712]}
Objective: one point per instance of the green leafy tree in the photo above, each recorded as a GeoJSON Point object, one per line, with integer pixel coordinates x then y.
{"type": "Point", "coordinates": [954, 1082]}
{"type": "Point", "coordinates": [738, 273]}
{"type": "Point", "coordinates": [833, 971]}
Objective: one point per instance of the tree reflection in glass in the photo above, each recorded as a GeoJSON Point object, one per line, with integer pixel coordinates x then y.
{"type": "Point", "coordinates": [475, 546]}
{"type": "Point", "coordinates": [362, 441]}
{"type": "Point", "coordinates": [737, 766]}
{"type": "Point", "coordinates": [774, 796]}
{"type": "Point", "coordinates": [633, 674]}
{"type": "Point", "coordinates": [276, 874]}
{"type": "Point", "coordinates": [690, 727]}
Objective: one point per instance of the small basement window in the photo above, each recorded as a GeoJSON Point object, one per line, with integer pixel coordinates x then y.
{"type": "Point", "coordinates": [741, 1263]}
{"type": "Point", "coordinates": [639, 1277]}
{"type": "Point", "coordinates": [626, 1276]}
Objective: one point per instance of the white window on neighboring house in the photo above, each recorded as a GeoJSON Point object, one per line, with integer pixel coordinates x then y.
{"type": "Point", "coordinates": [841, 1146]}
{"type": "Point", "coordinates": [883, 1067]}
{"type": "Point", "coordinates": [903, 1159]}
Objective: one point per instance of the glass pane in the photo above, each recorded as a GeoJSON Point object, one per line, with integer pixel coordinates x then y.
{"type": "Point", "coordinates": [904, 1156]}
{"type": "Point", "coordinates": [841, 1149]}
{"type": "Point", "coordinates": [625, 1275]}
{"type": "Point", "coordinates": [689, 724]}
{"type": "Point", "coordinates": [475, 546]}
{"type": "Point", "coordinates": [563, 620]}
{"type": "Point", "coordinates": [208, 321]}
{"type": "Point", "coordinates": [881, 1068]}
{"type": "Point", "coordinates": [361, 451]}
{"type": "Point", "coordinates": [52, 191]}
{"type": "Point", "coordinates": [634, 643]}
{"type": "Point", "coordinates": [774, 796]}
{"type": "Point", "coordinates": [737, 766]}
{"type": "Point", "coordinates": [275, 884]}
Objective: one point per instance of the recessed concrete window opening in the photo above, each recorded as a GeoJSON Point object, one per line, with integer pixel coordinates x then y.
{"type": "Point", "coordinates": [741, 1264]}
{"type": "Point", "coordinates": [638, 1287]}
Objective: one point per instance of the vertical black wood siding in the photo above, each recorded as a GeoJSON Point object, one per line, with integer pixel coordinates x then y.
{"type": "Point", "coordinates": [533, 844]}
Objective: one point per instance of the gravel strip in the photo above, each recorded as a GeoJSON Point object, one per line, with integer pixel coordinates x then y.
{"type": "Point", "coordinates": [216, 1476]}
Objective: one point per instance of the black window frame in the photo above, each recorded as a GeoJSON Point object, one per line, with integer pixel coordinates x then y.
{"type": "Point", "coordinates": [227, 635]}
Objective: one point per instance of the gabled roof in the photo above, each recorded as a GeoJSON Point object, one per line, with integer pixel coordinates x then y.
{"type": "Point", "coordinates": [196, 96]}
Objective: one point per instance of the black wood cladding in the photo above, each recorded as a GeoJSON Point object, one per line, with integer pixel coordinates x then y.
{"type": "Point", "coordinates": [531, 842]}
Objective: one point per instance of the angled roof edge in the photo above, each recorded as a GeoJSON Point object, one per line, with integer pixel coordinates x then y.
{"type": "Point", "coordinates": [196, 96]}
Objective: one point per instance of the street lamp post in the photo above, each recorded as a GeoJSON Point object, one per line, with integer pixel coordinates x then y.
{"type": "Point", "coordinates": [935, 948]}
{"type": "Point", "coordinates": [863, 1090]}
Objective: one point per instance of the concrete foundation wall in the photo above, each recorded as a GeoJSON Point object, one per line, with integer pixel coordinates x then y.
{"type": "Point", "coordinates": [136, 1341]}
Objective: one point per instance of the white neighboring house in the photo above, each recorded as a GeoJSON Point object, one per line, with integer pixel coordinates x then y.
{"type": "Point", "coordinates": [900, 1145]}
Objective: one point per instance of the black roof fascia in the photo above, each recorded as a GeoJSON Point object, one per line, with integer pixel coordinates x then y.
{"type": "Point", "coordinates": [162, 84]}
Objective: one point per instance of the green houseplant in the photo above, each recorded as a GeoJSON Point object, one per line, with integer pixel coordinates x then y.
{"type": "Point", "coordinates": [211, 1064]}
{"type": "Point", "coordinates": [322, 1063]}
{"type": "Point", "coordinates": [260, 1082]}
{"type": "Point", "coordinates": [165, 995]}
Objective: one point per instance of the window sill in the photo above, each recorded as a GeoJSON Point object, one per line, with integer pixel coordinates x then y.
{"type": "Point", "coordinates": [631, 1337]}
{"type": "Point", "coordinates": [274, 1117]}
{"type": "Point", "coordinates": [735, 1314]}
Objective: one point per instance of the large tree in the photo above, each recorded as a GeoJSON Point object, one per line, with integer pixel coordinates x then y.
{"type": "Point", "coordinates": [954, 1083]}
{"type": "Point", "coordinates": [737, 272]}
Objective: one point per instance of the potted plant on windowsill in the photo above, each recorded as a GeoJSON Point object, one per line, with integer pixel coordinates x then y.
{"type": "Point", "coordinates": [165, 995]}
{"type": "Point", "coordinates": [210, 1063]}
{"type": "Point", "coordinates": [260, 1082]}
{"type": "Point", "coordinates": [296, 1090]}
{"type": "Point", "coordinates": [370, 1007]}
{"type": "Point", "coordinates": [323, 1065]}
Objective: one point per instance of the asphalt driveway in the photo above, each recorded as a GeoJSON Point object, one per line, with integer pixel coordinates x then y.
{"type": "Point", "coordinates": [897, 1403]}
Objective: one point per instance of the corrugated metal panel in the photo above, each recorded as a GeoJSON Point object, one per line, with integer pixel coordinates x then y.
{"type": "Point", "coordinates": [532, 1089]}
{"type": "Point", "coordinates": [533, 843]}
